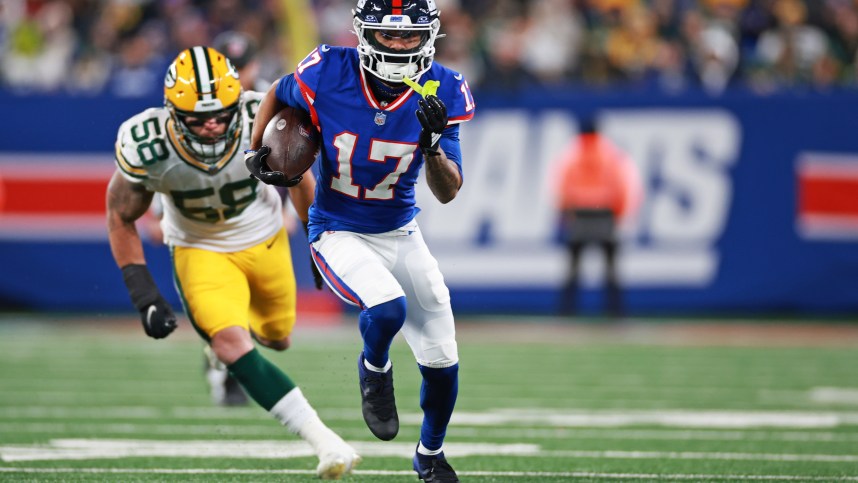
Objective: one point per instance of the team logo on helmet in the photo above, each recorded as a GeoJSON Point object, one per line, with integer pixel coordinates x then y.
{"type": "Point", "coordinates": [232, 71]}
{"type": "Point", "coordinates": [170, 78]}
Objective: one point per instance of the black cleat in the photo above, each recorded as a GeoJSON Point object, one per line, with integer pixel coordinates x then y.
{"type": "Point", "coordinates": [434, 469]}
{"type": "Point", "coordinates": [377, 402]}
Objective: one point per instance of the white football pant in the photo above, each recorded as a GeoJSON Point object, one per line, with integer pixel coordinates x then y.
{"type": "Point", "coordinates": [366, 270]}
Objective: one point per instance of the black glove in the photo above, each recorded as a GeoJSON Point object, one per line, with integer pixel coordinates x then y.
{"type": "Point", "coordinates": [259, 169]}
{"type": "Point", "coordinates": [317, 277]}
{"type": "Point", "coordinates": [155, 313]}
{"type": "Point", "coordinates": [433, 117]}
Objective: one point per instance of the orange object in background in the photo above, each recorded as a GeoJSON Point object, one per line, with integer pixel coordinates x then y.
{"type": "Point", "coordinates": [595, 174]}
{"type": "Point", "coordinates": [598, 188]}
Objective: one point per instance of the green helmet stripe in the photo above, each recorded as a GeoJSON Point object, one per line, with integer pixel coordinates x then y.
{"type": "Point", "coordinates": [203, 72]}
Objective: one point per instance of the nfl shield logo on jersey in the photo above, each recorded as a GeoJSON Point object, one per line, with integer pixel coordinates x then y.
{"type": "Point", "coordinates": [380, 118]}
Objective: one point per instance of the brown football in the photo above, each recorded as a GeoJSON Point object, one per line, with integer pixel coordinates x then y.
{"type": "Point", "coordinates": [293, 140]}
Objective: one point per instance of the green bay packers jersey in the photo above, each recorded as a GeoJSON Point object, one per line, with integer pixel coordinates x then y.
{"type": "Point", "coordinates": [212, 204]}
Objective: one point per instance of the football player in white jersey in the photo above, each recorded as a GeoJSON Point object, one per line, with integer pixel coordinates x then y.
{"type": "Point", "coordinates": [231, 258]}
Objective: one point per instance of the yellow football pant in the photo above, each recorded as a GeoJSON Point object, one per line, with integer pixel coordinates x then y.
{"type": "Point", "coordinates": [253, 288]}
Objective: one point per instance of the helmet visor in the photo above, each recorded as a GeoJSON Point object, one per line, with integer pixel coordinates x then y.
{"type": "Point", "coordinates": [196, 120]}
{"type": "Point", "coordinates": [208, 148]}
{"type": "Point", "coordinates": [397, 41]}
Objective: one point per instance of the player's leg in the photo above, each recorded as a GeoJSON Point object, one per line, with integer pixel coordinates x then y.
{"type": "Point", "coordinates": [378, 325]}
{"type": "Point", "coordinates": [356, 267]}
{"type": "Point", "coordinates": [218, 295]}
{"type": "Point", "coordinates": [569, 300]}
{"type": "Point", "coordinates": [201, 276]}
{"type": "Point", "coordinates": [273, 295]}
{"type": "Point", "coordinates": [224, 389]}
{"type": "Point", "coordinates": [273, 292]}
{"type": "Point", "coordinates": [431, 334]}
{"type": "Point", "coordinates": [614, 302]}
{"type": "Point", "coordinates": [275, 391]}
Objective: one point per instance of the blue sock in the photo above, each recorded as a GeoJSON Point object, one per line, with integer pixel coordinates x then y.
{"type": "Point", "coordinates": [378, 325]}
{"type": "Point", "coordinates": [437, 398]}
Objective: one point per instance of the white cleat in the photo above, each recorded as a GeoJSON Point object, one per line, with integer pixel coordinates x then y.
{"type": "Point", "coordinates": [333, 465]}
{"type": "Point", "coordinates": [336, 457]}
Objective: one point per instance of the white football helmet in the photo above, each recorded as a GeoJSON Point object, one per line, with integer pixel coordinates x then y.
{"type": "Point", "coordinates": [396, 18]}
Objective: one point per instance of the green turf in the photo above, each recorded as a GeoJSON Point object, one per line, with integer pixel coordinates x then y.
{"type": "Point", "coordinates": [605, 410]}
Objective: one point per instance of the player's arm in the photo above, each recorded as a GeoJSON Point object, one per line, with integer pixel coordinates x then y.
{"type": "Point", "coordinates": [442, 173]}
{"type": "Point", "coordinates": [268, 108]}
{"type": "Point", "coordinates": [303, 194]}
{"type": "Point", "coordinates": [443, 176]}
{"type": "Point", "coordinates": [126, 203]}
{"type": "Point", "coordinates": [281, 94]}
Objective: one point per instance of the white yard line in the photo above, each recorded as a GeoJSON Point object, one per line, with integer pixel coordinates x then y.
{"type": "Point", "coordinates": [511, 474]}
{"type": "Point", "coordinates": [834, 395]}
{"type": "Point", "coordinates": [724, 419]}
{"type": "Point", "coordinates": [653, 434]}
{"type": "Point", "coordinates": [692, 455]}
{"type": "Point", "coordinates": [81, 449]}
{"type": "Point", "coordinates": [506, 417]}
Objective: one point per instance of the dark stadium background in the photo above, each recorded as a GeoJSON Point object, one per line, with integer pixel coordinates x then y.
{"type": "Point", "coordinates": [745, 141]}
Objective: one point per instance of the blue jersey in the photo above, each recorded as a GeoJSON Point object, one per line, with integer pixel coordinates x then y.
{"type": "Point", "coordinates": [370, 159]}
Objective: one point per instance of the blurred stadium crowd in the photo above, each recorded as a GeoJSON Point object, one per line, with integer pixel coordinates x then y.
{"type": "Point", "coordinates": [122, 47]}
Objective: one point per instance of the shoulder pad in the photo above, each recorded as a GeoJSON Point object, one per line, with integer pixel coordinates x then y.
{"type": "Point", "coordinates": [253, 96]}
{"type": "Point", "coordinates": [140, 140]}
{"type": "Point", "coordinates": [250, 104]}
{"type": "Point", "coordinates": [309, 72]}
{"type": "Point", "coordinates": [455, 93]}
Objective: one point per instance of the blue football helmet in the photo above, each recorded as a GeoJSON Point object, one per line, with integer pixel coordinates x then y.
{"type": "Point", "coordinates": [396, 18]}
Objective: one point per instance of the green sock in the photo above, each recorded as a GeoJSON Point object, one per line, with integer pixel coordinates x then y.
{"type": "Point", "coordinates": [262, 380]}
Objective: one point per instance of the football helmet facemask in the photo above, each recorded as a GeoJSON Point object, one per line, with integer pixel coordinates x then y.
{"type": "Point", "coordinates": [202, 84]}
{"type": "Point", "coordinates": [391, 19]}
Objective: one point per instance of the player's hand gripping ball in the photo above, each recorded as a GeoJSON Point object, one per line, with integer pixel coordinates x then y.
{"type": "Point", "coordinates": [290, 144]}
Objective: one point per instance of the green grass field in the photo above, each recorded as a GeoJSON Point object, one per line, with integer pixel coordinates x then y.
{"type": "Point", "coordinates": [540, 401]}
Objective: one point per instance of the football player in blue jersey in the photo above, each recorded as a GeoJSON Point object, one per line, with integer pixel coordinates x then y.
{"type": "Point", "coordinates": [384, 110]}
